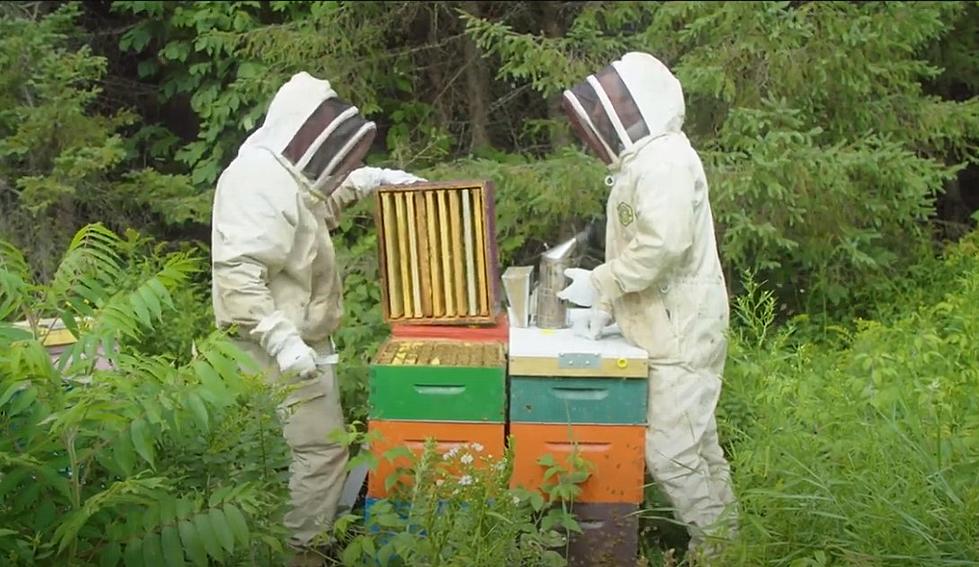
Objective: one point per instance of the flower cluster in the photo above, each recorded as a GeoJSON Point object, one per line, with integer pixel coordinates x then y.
{"type": "Point", "coordinates": [467, 467]}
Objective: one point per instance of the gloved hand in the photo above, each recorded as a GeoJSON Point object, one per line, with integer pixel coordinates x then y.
{"type": "Point", "coordinates": [296, 357]}
{"type": "Point", "coordinates": [398, 177]}
{"type": "Point", "coordinates": [281, 340]}
{"type": "Point", "coordinates": [366, 180]}
{"type": "Point", "coordinates": [581, 291]}
{"type": "Point", "coordinates": [592, 326]}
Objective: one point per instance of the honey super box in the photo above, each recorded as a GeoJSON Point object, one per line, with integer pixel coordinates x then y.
{"type": "Point", "coordinates": [438, 253]}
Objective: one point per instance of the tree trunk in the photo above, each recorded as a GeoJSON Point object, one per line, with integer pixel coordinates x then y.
{"type": "Point", "coordinates": [434, 72]}
{"type": "Point", "coordinates": [553, 27]}
{"type": "Point", "coordinates": [477, 87]}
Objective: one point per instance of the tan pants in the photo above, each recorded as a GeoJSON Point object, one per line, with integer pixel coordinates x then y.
{"type": "Point", "coordinates": [683, 454]}
{"type": "Point", "coordinates": [311, 413]}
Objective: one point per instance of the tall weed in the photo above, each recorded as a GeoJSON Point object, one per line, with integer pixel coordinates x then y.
{"type": "Point", "coordinates": [866, 454]}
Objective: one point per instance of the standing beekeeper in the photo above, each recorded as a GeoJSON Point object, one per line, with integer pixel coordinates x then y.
{"type": "Point", "coordinates": [662, 281]}
{"type": "Point", "coordinates": [275, 276]}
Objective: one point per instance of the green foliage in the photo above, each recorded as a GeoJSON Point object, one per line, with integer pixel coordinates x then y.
{"type": "Point", "coordinates": [455, 507]}
{"type": "Point", "coordinates": [110, 455]}
{"type": "Point", "coordinates": [61, 158]}
{"type": "Point", "coordinates": [818, 107]}
{"type": "Point", "coordinates": [186, 61]}
{"type": "Point", "coordinates": [229, 58]}
{"type": "Point", "coordinates": [863, 453]}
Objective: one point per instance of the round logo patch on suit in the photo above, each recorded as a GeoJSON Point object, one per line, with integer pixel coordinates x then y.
{"type": "Point", "coordinates": [626, 214]}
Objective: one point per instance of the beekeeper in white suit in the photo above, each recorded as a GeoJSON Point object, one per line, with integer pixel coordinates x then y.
{"type": "Point", "coordinates": [662, 280]}
{"type": "Point", "coordinates": [275, 275]}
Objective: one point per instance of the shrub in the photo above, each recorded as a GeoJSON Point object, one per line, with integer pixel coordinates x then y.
{"type": "Point", "coordinates": [456, 507]}
{"type": "Point", "coordinates": [865, 453]}
{"type": "Point", "coordinates": [110, 455]}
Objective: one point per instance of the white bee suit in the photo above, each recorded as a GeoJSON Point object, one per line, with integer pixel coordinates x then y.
{"type": "Point", "coordinates": [662, 279]}
{"type": "Point", "coordinates": [275, 275]}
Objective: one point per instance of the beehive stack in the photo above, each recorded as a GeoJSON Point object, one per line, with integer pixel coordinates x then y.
{"type": "Point", "coordinates": [572, 395]}
{"type": "Point", "coordinates": [452, 391]}
{"type": "Point", "coordinates": [442, 374]}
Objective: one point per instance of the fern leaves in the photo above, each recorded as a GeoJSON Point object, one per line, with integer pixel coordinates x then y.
{"type": "Point", "coordinates": [90, 288]}
{"type": "Point", "coordinates": [179, 531]}
{"type": "Point", "coordinates": [127, 313]}
{"type": "Point", "coordinates": [92, 457]}
{"type": "Point", "coordinates": [90, 267]}
{"type": "Point", "coordinates": [162, 529]}
{"type": "Point", "coordinates": [14, 280]}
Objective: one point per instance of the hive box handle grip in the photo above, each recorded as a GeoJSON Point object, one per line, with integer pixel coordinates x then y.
{"type": "Point", "coordinates": [420, 444]}
{"type": "Point", "coordinates": [440, 390]}
{"type": "Point", "coordinates": [583, 446]}
{"type": "Point", "coordinates": [591, 394]}
{"type": "Point", "coordinates": [591, 524]}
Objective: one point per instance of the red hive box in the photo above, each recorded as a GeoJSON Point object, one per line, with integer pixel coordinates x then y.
{"type": "Point", "coordinates": [496, 333]}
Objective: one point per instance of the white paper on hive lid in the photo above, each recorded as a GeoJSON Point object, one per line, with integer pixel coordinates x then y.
{"type": "Point", "coordinates": [532, 342]}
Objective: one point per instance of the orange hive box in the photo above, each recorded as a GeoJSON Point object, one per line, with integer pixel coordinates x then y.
{"type": "Point", "coordinates": [414, 434]}
{"type": "Point", "coordinates": [614, 451]}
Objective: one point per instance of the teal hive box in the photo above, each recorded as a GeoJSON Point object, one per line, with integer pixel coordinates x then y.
{"type": "Point", "coordinates": [611, 401]}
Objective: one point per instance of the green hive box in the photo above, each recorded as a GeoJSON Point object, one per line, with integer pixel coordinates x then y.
{"type": "Point", "coordinates": [439, 380]}
{"type": "Point", "coordinates": [613, 401]}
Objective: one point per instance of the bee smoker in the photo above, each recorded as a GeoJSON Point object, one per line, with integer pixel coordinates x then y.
{"type": "Point", "coordinates": [552, 312]}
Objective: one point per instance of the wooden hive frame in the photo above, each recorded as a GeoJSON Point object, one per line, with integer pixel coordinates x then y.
{"type": "Point", "coordinates": [451, 353]}
{"type": "Point", "coordinates": [438, 253]}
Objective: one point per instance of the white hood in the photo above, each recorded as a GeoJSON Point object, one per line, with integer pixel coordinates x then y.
{"type": "Point", "coordinates": [313, 133]}
{"type": "Point", "coordinates": [633, 99]}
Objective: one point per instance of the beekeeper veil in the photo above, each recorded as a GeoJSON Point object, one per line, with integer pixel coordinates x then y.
{"type": "Point", "coordinates": [314, 133]}
{"type": "Point", "coordinates": [631, 99]}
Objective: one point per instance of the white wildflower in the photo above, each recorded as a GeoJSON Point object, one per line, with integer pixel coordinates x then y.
{"type": "Point", "coordinates": [466, 459]}
{"type": "Point", "coordinates": [451, 453]}
{"type": "Point", "coordinates": [439, 482]}
{"type": "Point", "coordinates": [516, 500]}
{"type": "Point", "coordinates": [466, 480]}
{"type": "Point", "coordinates": [478, 448]}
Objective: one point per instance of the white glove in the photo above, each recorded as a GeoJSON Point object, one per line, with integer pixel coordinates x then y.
{"type": "Point", "coordinates": [296, 357]}
{"type": "Point", "coordinates": [365, 180]}
{"type": "Point", "coordinates": [280, 339]}
{"type": "Point", "coordinates": [581, 291]}
{"type": "Point", "coordinates": [398, 177]}
{"type": "Point", "coordinates": [593, 325]}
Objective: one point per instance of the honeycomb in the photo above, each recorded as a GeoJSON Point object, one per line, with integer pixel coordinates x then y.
{"type": "Point", "coordinates": [440, 353]}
